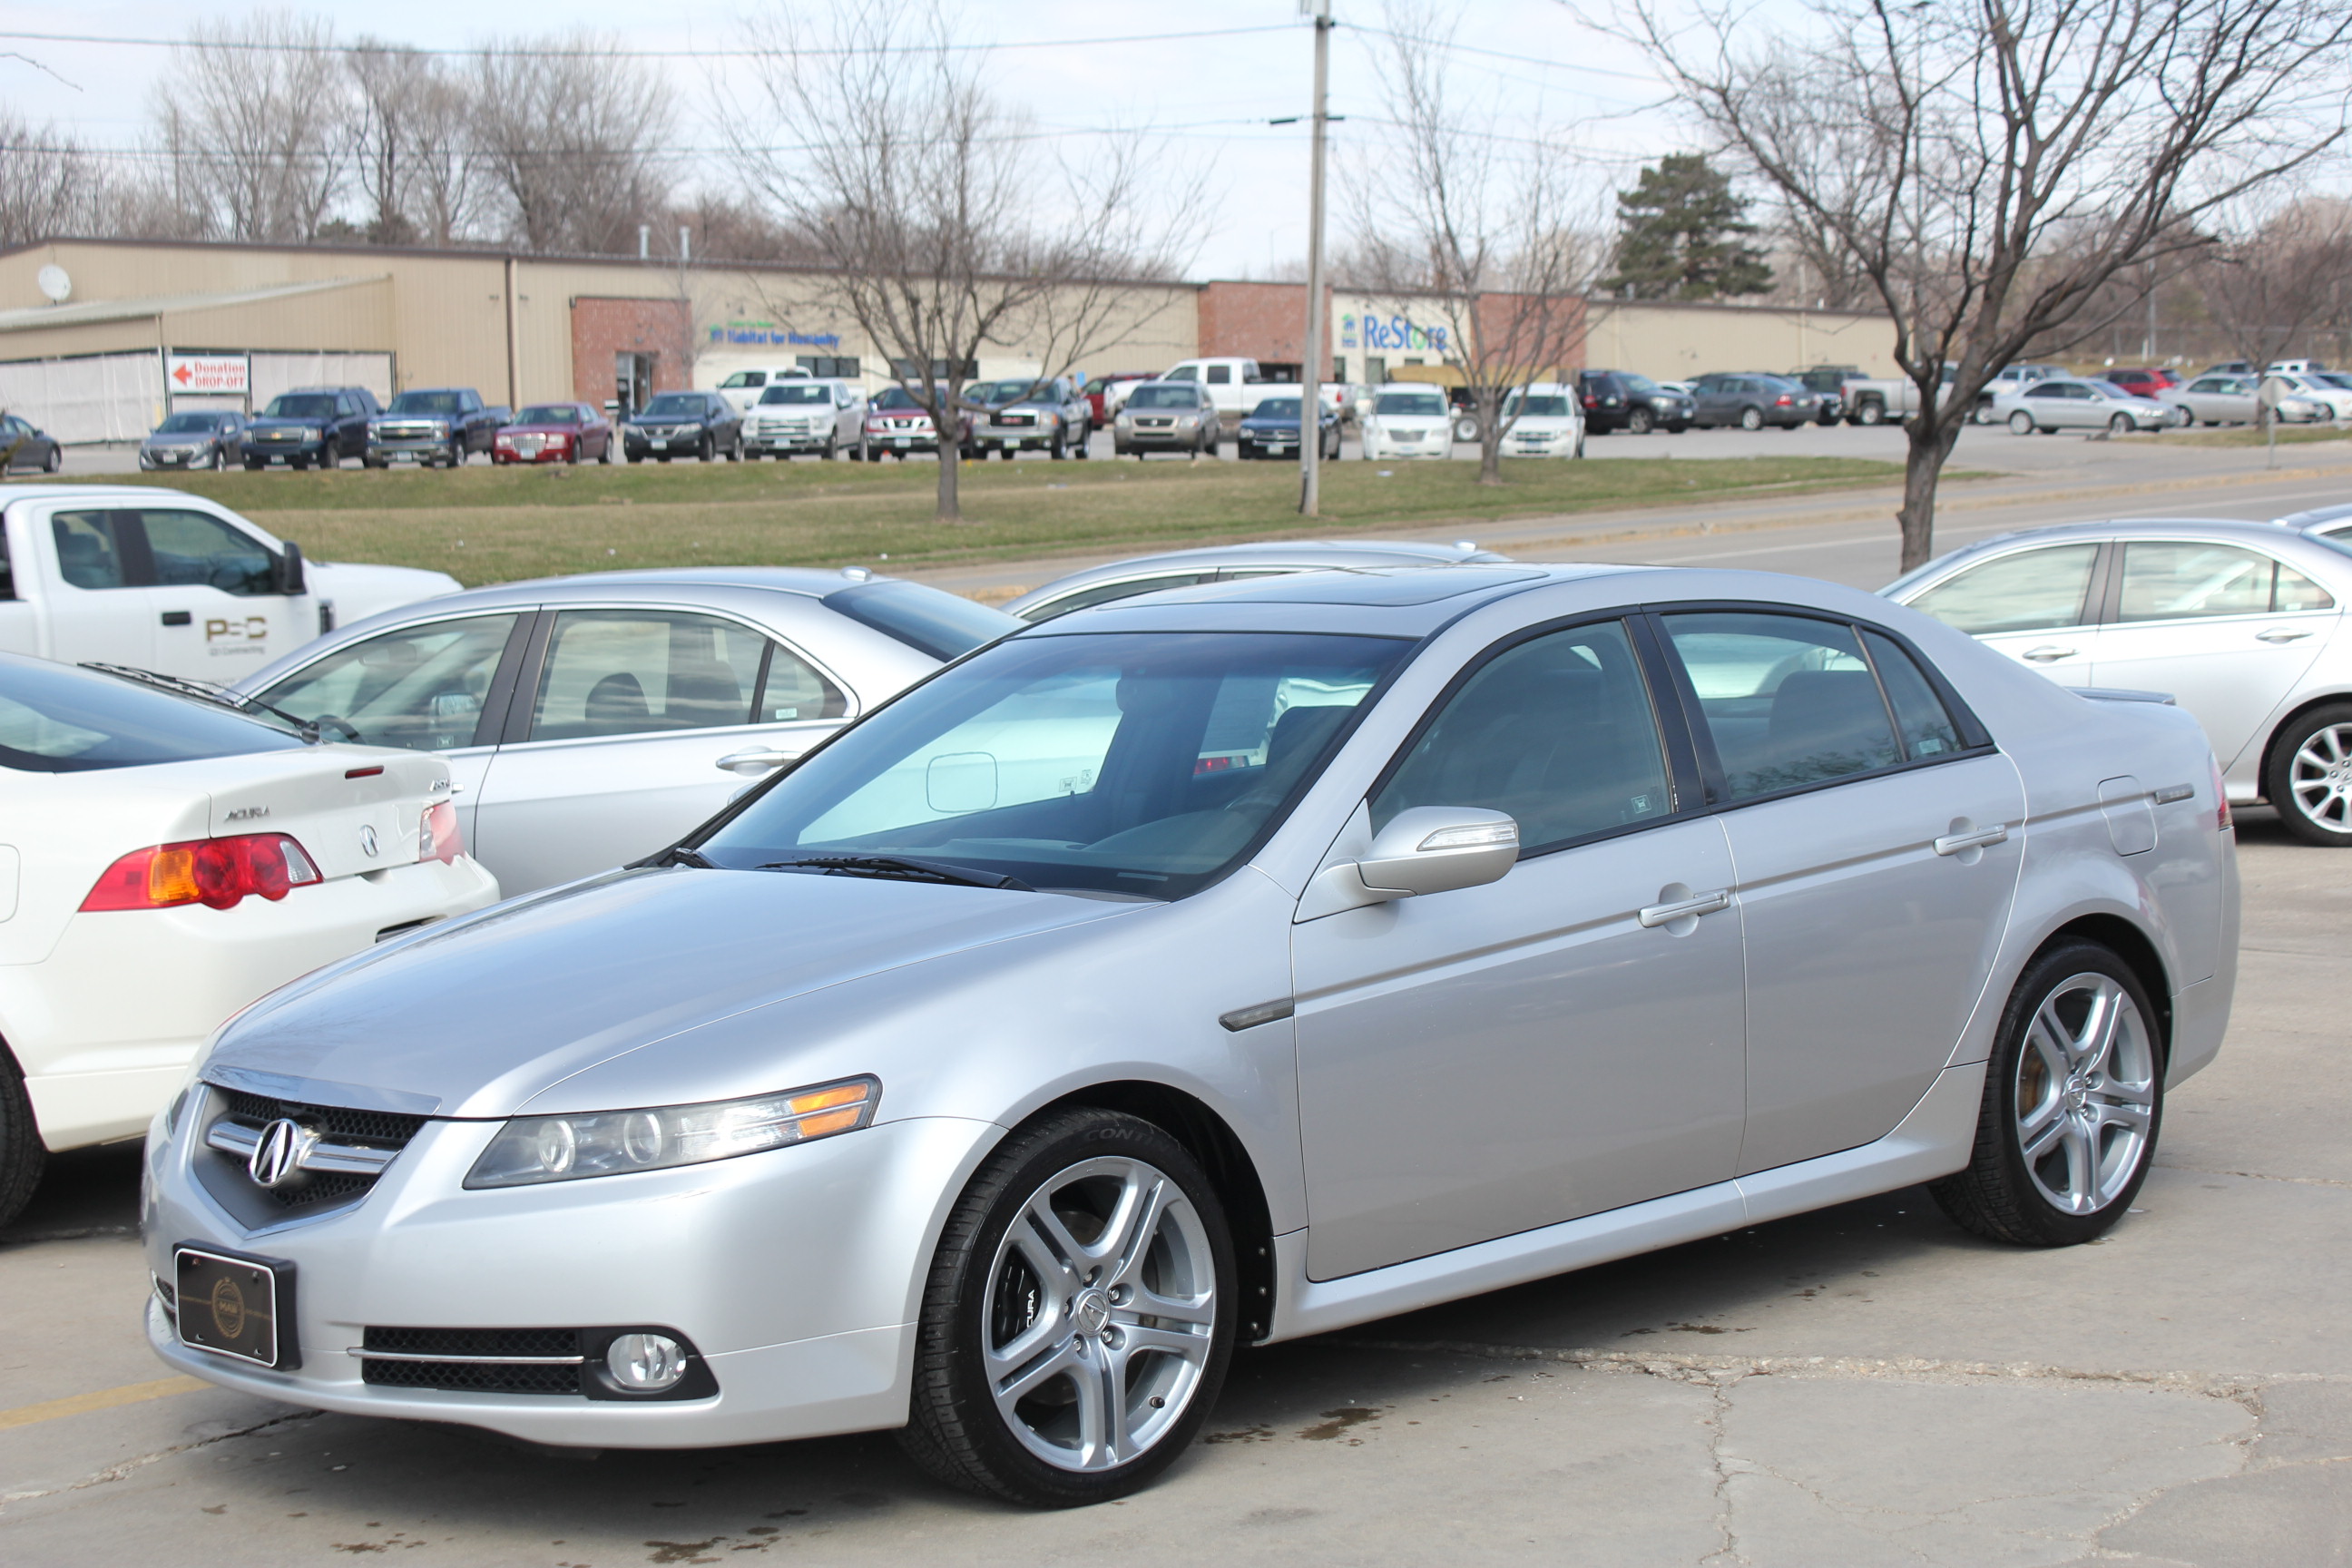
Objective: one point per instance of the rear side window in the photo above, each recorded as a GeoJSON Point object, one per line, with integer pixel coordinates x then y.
{"type": "Point", "coordinates": [1924, 724]}
{"type": "Point", "coordinates": [927, 620]}
{"type": "Point", "coordinates": [1788, 700]}
{"type": "Point", "coordinates": [628, 672]}
{"type": "Point", "coordinates": [56, 720]}
{"type": "Point", "coordinates": [2179, 580]}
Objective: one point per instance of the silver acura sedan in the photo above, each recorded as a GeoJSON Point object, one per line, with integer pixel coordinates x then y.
{"type": "Point", "coordinates": [1237, 963]}
{"type": "Point", "coordinates": [589, 721]}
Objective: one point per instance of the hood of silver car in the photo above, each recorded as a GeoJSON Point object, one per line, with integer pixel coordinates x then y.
{"type": "Point", "coordinates": [480, 1017]}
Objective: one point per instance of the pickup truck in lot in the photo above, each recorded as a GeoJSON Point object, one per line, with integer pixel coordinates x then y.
{"type": "Point", "coordinates": [1875, 400]}
{"type": "Point", "coordinates": [139, 576]}
{"type": "Point", "coordinates": [432, 426]}
{"type": "Point", "coordinates": [1236, 386]}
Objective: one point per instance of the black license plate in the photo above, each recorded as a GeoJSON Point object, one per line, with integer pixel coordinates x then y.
{"type": "Point", "coordinates": [237, 1306]}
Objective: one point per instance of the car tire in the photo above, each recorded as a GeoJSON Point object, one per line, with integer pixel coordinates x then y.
{"type": "Point", "coordinates": [2120, 424]}
{"type": "Point", "coordinates": [1023, 1257]}
{"type": "Point", "coordinates": [22, 1155]}
{"type": "Point", "coordinates": [220, 459]}
{"type": "Point", "coordinates": [2074, 1101]}
{"type": "Point", "coordinates": [1870, 412]}
{"type": "Point", "coordinates": [1749, 419]}
{"type": "Point", "coordinates": [708, 452]}
{"type": "Point", "coordinates": [2021, 423]}
{"type": "Point", "coordinates": [2308, 776]}
{"type": "Point", "coordinates": [605, 456]}
{"type": "Point", "coordinates": [1639, 422]}
{"type": "Point", "coordinates": [1085, 444]}
{"type": "Point", "coordinates": [1060, 450]}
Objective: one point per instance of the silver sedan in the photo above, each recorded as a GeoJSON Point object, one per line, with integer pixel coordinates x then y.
{"type": "Point", "coordinates": [1237, 963]}
{"type": "Point", "coordinates": [1228, 563]}
{"type": "Point", "coordinates": [2241, 623]}
{"type": "Point", "coordinates": [589, 721]}
{"type": "Point", "coordinates": [2063, 403]}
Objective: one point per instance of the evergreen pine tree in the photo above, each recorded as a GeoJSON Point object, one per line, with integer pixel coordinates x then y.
{"type": "Point", "coordinates": [1680, 234]}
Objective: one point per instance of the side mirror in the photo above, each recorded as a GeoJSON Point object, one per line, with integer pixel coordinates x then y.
{"type": "Point", "coordinates": [290, 571]}
{"type": "Point", "coordinates": [1438, 849]}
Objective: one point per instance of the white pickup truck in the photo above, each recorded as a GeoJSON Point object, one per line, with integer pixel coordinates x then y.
{"type": "Point", "coordinates": [157, 579]}
{"type": "Point", "coordinates": [1234, 386]}
{"type": "Point", "coordinates": [1878, 400]}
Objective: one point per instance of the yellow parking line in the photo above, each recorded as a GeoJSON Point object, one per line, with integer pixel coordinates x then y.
{"type": "Point", "coordinates": [104, 1399]}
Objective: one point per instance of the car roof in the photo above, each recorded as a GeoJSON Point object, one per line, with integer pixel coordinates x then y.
{"type": "Point", "coordinates": [2315, 516]}
{"type": "Point", "coordinates": [1306, 555]}
{"type": "Point", "coordinates": [2267, 536]}
{"type": "Point", "coordinates": [1376, 601]}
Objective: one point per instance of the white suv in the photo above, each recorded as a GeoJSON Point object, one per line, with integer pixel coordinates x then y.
{"type": "Point", "coordinates": [1409, 419]}
{"type": "Point", "coordinates": [1546, 420]}
{"type": "Point", "coordinates": [803, 413]}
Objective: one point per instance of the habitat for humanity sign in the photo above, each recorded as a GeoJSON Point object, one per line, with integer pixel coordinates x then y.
{"type": "Point", "coordinates": [767, 335]}
{"type": "Point", "coordinates": [228, 373]}
{"type": "Point", "coordinates": [1389, 332]}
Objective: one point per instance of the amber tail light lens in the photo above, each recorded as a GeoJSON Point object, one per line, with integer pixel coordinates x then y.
{"type": "Point", "coordinates": [219, 873]}
{"type": "Point", "coordinates": [437, 838]}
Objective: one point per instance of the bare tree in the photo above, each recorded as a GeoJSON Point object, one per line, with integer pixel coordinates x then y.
{"type": "Point", "coordinates": [1989, 165]}
{"type": "Point", "coordinates": [1482, 231]}
{"type": "Point", "coordinates": [253, 119]}
{"type": "Point", "coordinates": [571, 135]}
{"type": "Point", "coordinates": [2268, 286]}
{"type": "Point", "coordinates": [48, 185]}
{"type": "Point", "coordinates": [419, 172]}
{"type": "Point", "coordinates": [941, 230]}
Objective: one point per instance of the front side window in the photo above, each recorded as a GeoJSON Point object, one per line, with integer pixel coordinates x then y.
{"type": "Point", "coordinates": [91, 549]}
{"type": "Point", "coordinates": [1144, 763]}
{"type": "Point", "coordinates": [744, 378]}
{"type": "Point", "coordinates": [421, 688]}
{"type": "Point", "coordinates": [2034, 590]}
{"type": "Point", "coordinates": [1557, 731]}
{"type": "Point", "coordinates": [1182, 373]}
{"type": "Point", "coordinates": [194, 549]}
{"type": "Point", "coordinates": [1788, 700]}
{"type": "Point", "coordinates": [629, 672]}
{"type": "Point", "coordinates": [2168, 579]}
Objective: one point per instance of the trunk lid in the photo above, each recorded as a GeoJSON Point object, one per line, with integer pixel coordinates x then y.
{"type": "Point", "coordinates": [352, 808]}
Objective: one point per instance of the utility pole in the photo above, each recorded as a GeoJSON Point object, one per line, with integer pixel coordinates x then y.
{"type": "Point", "coordinates": [1310, 378]}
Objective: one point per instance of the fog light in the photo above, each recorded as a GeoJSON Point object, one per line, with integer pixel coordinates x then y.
{"type": "Point", "coordinates": [646, 1363]}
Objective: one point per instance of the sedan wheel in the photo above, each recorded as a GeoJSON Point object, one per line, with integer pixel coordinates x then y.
{"type": "Point", "coordinates": [2120, 424]}
{"type": "Point", "coordinates": [1077, 1319]}
{"type": "Point", "coordinates": [2073, 1097]}
{"type": "Point", "coordinates": [2021, 423]}
{"type": "Point", "coordinates": [21, 1154]}
{"type": "Point", "coordinates": [2309, 778]}
{"type": "Point", "coordinates": [1749, 419]}
{"type": "Point", "coordinates": [1638, 422]}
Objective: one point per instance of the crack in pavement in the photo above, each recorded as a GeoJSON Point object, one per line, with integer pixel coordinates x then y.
{"type": "Point", "coordinates": [120, 1469]}
{"type": "Point", "coordinates": [2254, 1175]}
{"type": "Point", "coordinates": [1719, 1407]}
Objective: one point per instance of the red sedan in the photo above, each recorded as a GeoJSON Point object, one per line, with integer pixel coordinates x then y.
{"type": "Point", "coordinates": [554, 433]}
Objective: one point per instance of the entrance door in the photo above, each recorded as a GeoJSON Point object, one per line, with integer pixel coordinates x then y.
{"type": "Point", "coordinates": [633, 382]}
{"type": "Point", "coordinates": [1481, 1062]}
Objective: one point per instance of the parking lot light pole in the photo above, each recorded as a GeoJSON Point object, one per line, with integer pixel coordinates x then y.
{"type": "Point", "coordinates": [1311, 375]}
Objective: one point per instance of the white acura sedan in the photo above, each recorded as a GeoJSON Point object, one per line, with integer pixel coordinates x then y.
{"type": "Point", "coordinates": [172, 860]}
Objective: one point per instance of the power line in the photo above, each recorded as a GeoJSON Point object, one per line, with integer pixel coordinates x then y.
{"type": "Point", "coordinates": [1449, 44]}
{"type": "Point", "coordinates": [536, 51]}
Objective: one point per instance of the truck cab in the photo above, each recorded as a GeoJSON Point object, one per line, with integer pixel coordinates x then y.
{"type": "Point", "coordinates": [172, 583]}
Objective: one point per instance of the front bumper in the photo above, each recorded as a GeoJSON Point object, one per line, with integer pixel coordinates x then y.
{"type": "Point", "coordinates": [151, 458]}
{"type": "Point", "coordinates": [101, 1055]}
{"type": "Point", "coordinates": [419, 448]}
{"type": "Point", "coordinates": [313, 449]}
{"type": "Point", "coordinates": [757, 441]}
{"type": "Point", "coordinates": [796, 1273]}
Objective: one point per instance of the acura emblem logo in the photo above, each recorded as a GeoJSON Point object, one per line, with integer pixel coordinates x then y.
{"type": "Point", "coordinates": [276, 1160]}
{"type": "Point", "coordinates": [367, 840]}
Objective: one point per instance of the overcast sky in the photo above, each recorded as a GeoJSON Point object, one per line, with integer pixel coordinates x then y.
{"type": "Point", "coordinates": [1209, 96]}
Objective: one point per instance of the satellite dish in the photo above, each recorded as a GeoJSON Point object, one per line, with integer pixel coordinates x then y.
{"type": "Point", "coordinates": [55, 284]}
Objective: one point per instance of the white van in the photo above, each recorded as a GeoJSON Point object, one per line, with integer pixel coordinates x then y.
{"type": "Point", "coordinates": [741, 388]}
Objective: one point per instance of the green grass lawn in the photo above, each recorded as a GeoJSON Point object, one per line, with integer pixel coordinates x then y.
{"type": "Point", "coordinates": [490, 525]}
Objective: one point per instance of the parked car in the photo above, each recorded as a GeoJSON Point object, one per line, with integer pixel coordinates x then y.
{"type": "Point", "coordinates": [742, 388]}
{"type": "Point", "coordinates": [554, 433]}
{"type": "Point", "coordinates": [1167, 417]}
{"type": "Point", "coordinates": [1752, 401]}
{"type": "Point", "coordinates": [1876, 399]}
{"type": "Point", "coordinates": [192, 438]}
{"type": "Point", "coordinates": [1027, 415]}
{"type": "Point", "coordinates": [1546, 420]}
{"type": "Point", "coordinates": [1622, 400]}
{"type": "Point", "coordinates": [2063, 403]}
{"type": "Point", "coordinates": [1409, 419]}
{"type": "Point", "coordinates": [439, 425]}
{"type": "Point", "coordinates": [1234, 386]}
{"type": "Point", "coordinates": [1105, 393]}
{"type": "Point", "coordinates": [896, 425]}
{"type": "Point", "coordinates": [2225, 399]}
{"type": "Point", "coordinates": [310, 427]}
{"type": "Point", "coordinates": [1083, 1014]}
{"type": "Point", "coordinates": [1229, 563]}
{"type": "Point", "coordinates": [2144, 381]}
{"type": "Point", "coordinates": [1272, 431]}
{"type": "Point", "coordinates": [2293, 367]}
{"type": "Point", "coordinates": [1827, 383]}
{"type": "Point", "coordinates": [2240, 622]}
{"type": "Point", "coordinates": [2011, 381]}
{"type": "Point", "coordinates": [588, 720]}
{"type": "Point", "coordinates": [683, 424]}
{"type": "Point", "coordinates": [2226, 367]}
{"type": "Point", "coordinates": [24, 445]}
{"type": "Point", "coordinates": [175, 861]}
{"type": "Point", "coordinates": [140, 576]}
{"type": "Point", "coordinates": [817, 416]}
{"type": "Point", "coordinates": [2328, 391]}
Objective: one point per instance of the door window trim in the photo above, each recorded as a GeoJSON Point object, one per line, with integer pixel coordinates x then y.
{"type": "Point", "coordinates": [1976, 741]}
{"type": "Point", "coordinates": [494, 701]}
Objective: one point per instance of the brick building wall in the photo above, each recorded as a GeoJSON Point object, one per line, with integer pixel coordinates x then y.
{"type": "Point", "coordinates": [1258, 321]}
{"type": "Point", "coordinates": [603, 328]}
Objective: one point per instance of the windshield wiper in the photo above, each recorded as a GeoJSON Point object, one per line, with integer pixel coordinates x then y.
{"type": "Point", "coordinates": [899, 868]}
{"type": "Point", "coordinates": [676, 855]}
{"type": "Point", "coordinates": [309, 729]}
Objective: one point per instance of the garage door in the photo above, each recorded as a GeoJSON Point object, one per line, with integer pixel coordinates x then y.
{"type": "Point", "coordinates": [88, 397]}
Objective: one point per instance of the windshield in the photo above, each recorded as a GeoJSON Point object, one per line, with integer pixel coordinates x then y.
{"type": "Point", "coordinates": [797, 392]}
{"type": "Point", "coordinates": [300, 406]}
{"type": "Point", "coordinates": [997, 393]}
{"type": "Point", "coordinates": [427, 402]}
{"type": "Point", "coordinates": [1163, 396]}
{"type": "Point", "coordinates": [1542, 406]}
{"type": "Point", "coordinates": [1277, 408]}
{"type": "Point", "coordinates": [549, 414]}
{"type": "Point", "coordinates": [193, 424]}
{"type": "Point", "coordinates": [943, 625]}
{"type": "Point", "coordinates": [56, 720]}
{"type": "Point", "coordinates": [896, 397]}
{"type": "Point", "coordinates": [674, 405]}
{"type": "Point", "coordinates": [1426, 405]}
{"type": "Point", "coordinates": [1639, 385]}
{"type": "Point", "coordinates": [1146, 763]}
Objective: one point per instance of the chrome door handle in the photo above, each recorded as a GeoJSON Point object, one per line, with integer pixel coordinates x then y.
{"type": "Point", "coordinates": [1953, 843]}
{"type": "Point", "coordinates": [2281, 634]}
{"type": "Point", "coordinates": [1704, 904]}
{"type": "Point", "coordinates": [2044, 655]}
{"type": "Point", "coordinates": [756, 759]}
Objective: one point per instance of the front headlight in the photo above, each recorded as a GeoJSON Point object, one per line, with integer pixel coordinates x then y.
{"type": "Point", "coordinates": [530, 1149]}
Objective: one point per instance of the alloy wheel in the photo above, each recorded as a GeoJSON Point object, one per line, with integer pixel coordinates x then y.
{"type": "Point", "coordinates": [2319, 778]}
{"type": "Point", "coordinates": [2085, 1094]}
{"type": "Point", "coordinates": [1100, 1314]}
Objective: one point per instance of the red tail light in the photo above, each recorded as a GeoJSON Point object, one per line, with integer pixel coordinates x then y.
{"type": "Point", "coordinates": [1783, 401]}
{"type": "Point", "coordinates": [437, 838]}
{"type": "Point", "coordinates": [216, 872]}
{"type": "Point", "coordinates": [1590, 401]}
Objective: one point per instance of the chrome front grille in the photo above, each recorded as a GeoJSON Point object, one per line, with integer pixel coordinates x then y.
{"type": "Point", "coordinates": [336, 1158]}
